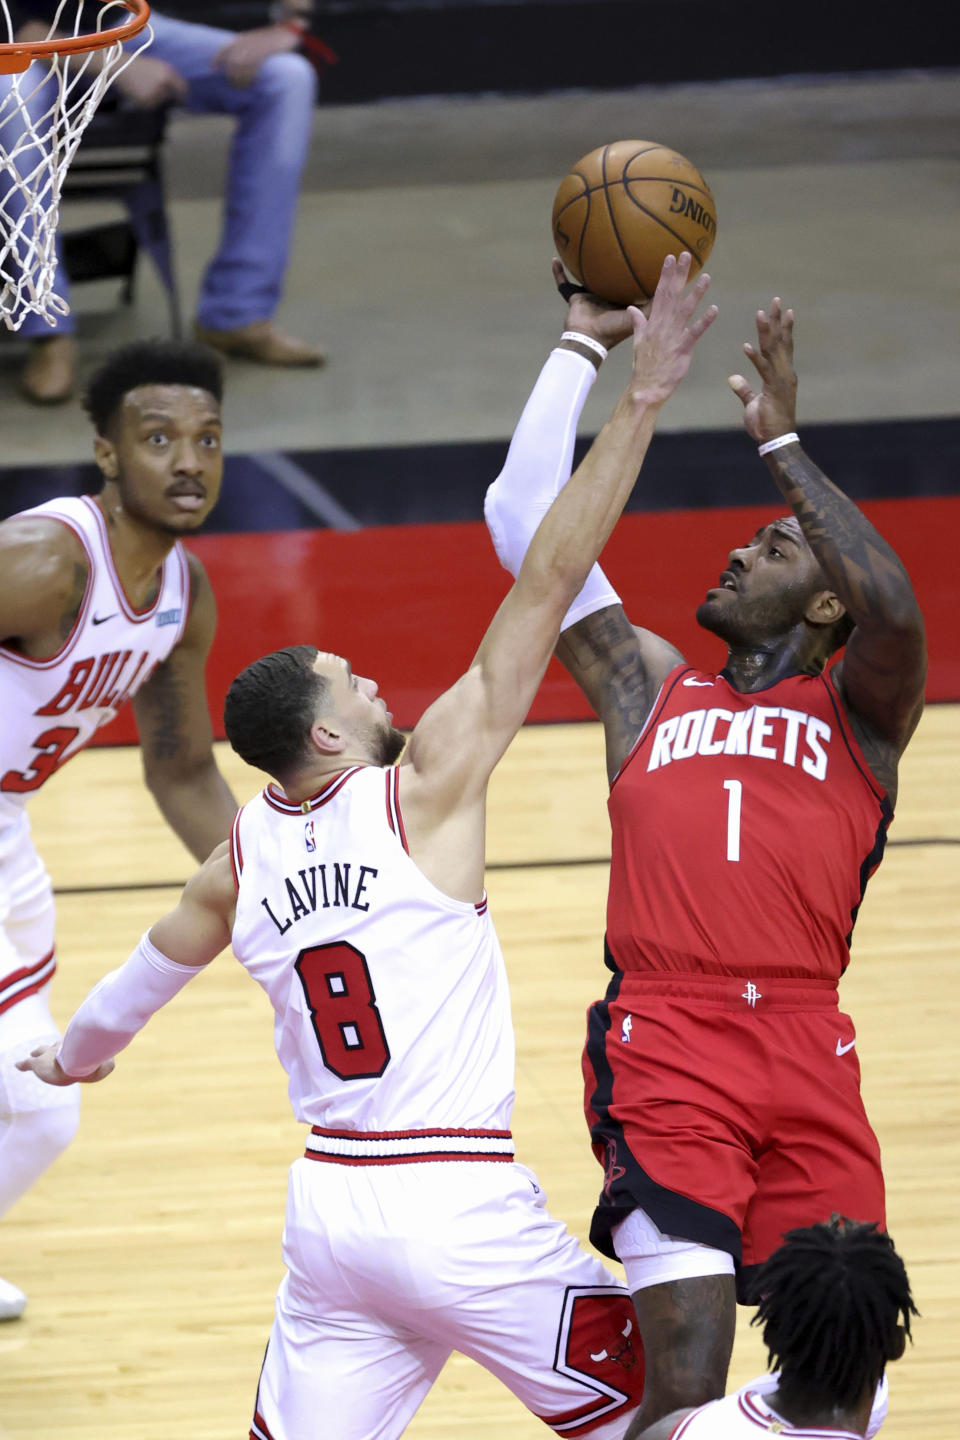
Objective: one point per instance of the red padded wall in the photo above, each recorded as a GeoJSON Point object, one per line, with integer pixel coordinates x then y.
{"type": "Point", "coordinates": [408, 604]}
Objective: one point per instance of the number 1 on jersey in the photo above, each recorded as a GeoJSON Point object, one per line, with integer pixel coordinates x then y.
{"type": "Point", "coordinates": [734, 792]}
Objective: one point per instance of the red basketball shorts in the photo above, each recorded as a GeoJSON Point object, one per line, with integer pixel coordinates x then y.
{"type": "Point", "coordinates": [728, 1110]}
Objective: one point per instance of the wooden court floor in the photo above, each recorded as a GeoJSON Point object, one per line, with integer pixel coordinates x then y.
{"type": "Point", "coordinates": [152, 1250]}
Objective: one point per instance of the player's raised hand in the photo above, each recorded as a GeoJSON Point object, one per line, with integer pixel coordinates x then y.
{"type": "Point", "coordinates": [772, 410]}
{"type": "Point", "coordinates": [589, 315]}
{"type": "Point", "coordinates": [45, 1065]}
{"type": "Point", "coordinates": [665, 336]}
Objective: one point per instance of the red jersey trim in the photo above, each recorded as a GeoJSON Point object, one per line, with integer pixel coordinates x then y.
{"type": "Point", "coordinates": [279, 802]}
{"type": "Point", "coordinates": [393, 804]}
{"type": "Point", "coordinates": [410, 1134]}
{"type": "Point", "coordinates": [236, 850]}
{"type": "Point", "coordinates": [420, 1158]}
{"type": "Point", "coordinates": [387, 781]}
{"type": "Point", "coordinates": [186, 590]}
{"type": "Point", "coordinates": [767, 1418]}
{"type": "Point", "coordinates": [135, 616]}
{"type": "Point", "coordinates": [406, 1147]}
{"type": "Point", "coordinates": [260, 1430]}
{"type": "Point", "coordinates": [26, 981]}
{"type": "Point", "coordinates": [71, 640]}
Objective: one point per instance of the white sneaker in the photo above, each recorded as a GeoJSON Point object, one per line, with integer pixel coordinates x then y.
{"type": "Point", "coordinates": [12, 1301]}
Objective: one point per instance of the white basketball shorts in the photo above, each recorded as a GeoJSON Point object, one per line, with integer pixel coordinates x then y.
{"type": "Point", "coordinates": [393, 1266]}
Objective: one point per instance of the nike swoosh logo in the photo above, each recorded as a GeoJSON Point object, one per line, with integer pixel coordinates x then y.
{"type": "Point", "coordinates": [842, 1049]}
{"type": "Point", "coordinates": [102, 619]}
{"type": "Point", "coordinates": [691, 681]}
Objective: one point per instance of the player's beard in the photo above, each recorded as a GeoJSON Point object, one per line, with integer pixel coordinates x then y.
{"type": "Point", "coordinates": [752, 622]}
{"type": "Point", "coordinates": [388, 744]}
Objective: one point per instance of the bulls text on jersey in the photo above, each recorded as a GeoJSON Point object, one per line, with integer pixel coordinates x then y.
{"type": "Point", "coordinates": [104, 680]}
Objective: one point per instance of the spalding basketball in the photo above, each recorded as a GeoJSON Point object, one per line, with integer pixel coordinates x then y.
{"type": "Point", "coordinates": [623, 209]}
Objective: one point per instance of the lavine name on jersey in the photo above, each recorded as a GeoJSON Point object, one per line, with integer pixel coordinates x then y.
{"type": "Point", "coordinates": [769, 732]}
{"type": "Point", "coordinates": [104, 680]}
{"type": "Point", "coordinates": [318, 887]}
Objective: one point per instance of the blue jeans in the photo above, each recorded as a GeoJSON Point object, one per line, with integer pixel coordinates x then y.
{"type": "Point", "coordinates": [244, 280]}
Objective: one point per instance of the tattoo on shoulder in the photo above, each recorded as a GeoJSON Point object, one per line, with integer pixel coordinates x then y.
{"type": "Point", "coordinates": [604, 656]}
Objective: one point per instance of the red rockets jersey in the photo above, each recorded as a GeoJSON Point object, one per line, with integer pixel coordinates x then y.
{"type": "Point", "coordinates": [745, 829]}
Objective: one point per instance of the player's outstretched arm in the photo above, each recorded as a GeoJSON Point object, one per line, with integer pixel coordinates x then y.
{"type": "Point", "coordinates": [176, 737]}
{"type": "Point", "coordinates": [172, 952]}
{"type": "Point", "coordinates": [619, 668]}
{"type": "Point", "coordinates": [540, 457]}
{"type": "Point", "coordinates": [882, 674]}
{"type": "Point", "coordinates": [461, 738]}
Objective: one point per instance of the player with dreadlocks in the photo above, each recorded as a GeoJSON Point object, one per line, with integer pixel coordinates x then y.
{"type": "Point", "coordinates": [836, 1308]}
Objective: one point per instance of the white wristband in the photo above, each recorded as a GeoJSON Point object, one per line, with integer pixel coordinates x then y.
{"type": "Point", "coordinates": [587, 340]}
{"type": "Point", "coordinates": [791, 438]}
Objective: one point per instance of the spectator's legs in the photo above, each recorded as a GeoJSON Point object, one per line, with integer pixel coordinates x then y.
{"type": "Point", "coordinates": [274, 115]}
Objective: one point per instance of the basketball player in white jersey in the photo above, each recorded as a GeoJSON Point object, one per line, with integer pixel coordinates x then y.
{"type": "Point", "coordinates": [352, 890]}
{"type": "Point", "coordinates": [99, 604]}
{"type": "Point", "coordinates": [836, 1309]}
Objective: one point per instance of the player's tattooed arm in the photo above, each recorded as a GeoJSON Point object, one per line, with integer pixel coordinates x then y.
{"type": "Point", "coordinates": [882, 674]}
{"type": "Point", "coordinates": [176, 736]}
{"type": "Point", "coordinates": [44, 573]}
{"type": "Point", "coordinates": [619, 668]}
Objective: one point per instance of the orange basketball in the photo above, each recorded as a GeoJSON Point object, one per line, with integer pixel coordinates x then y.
{"type": "Point", "coordinates": [623, 209]}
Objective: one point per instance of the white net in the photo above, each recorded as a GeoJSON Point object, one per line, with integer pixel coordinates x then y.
{"type": "Point", "coordinates": [44, 111]}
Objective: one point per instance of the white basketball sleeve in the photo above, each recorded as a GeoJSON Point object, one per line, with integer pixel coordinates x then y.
{"type": "Point", "coordinates": [537, 466]}
{"type": "Point", "coordinates": [120, 1005]}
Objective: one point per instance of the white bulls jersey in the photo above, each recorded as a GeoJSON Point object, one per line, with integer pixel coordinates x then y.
{"type": "Point", "coordinates": [391, 1002]}
{"type": "Point", "coordinates": [51, 708]}
{"type": "Point", "coordinates": [747, 1416]}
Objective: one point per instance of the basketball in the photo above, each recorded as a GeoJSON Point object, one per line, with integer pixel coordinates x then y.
{"type": "Point", "coordinates": [623, 209]}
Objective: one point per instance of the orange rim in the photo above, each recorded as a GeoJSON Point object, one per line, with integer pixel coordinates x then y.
{"type": "Point", "coordinates": [15, 58]}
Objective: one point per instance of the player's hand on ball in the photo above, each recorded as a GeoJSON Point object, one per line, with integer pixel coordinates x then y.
{"type": "Point", "coordinates": [664, 338]}
{"type": "Point", "coordinates": [45, 1065]}
{"type": "Point", "coordinates": [772, 410]}
{"type": "Point", "coordinates": [590, 315]}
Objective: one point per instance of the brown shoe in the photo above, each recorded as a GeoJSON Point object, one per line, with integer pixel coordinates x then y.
{"type": "Point", "coordinates": [262, 342]}
{"type": "Point", "coordinates": [50, 373]}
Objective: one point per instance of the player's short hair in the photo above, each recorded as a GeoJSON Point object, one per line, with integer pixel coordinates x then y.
{"type": "Point", "coordinates": [835, 1307]}
{"type": "Point", "coordinates": [271, 706]}
{"type": "Point", "coordinates": [150, 362]}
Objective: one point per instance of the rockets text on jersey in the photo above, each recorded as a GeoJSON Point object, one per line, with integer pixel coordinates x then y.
{"type": "Point", "coordinates": [745, 828]}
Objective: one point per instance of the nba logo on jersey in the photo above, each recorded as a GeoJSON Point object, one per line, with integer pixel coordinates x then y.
{"type": "Point", "coordinates": [308, 839]}
{"type": "Point", "coordinates": [625, 1029]}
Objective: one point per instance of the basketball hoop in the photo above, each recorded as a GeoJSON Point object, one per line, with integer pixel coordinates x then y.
{"type": "Point", "coordinates": [49, 92]}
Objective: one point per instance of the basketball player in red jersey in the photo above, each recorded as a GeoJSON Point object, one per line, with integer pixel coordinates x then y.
{"type": "Point", "coordinates": [100, 603]}
{"type": "Point", "coordinates": [748, 808]}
